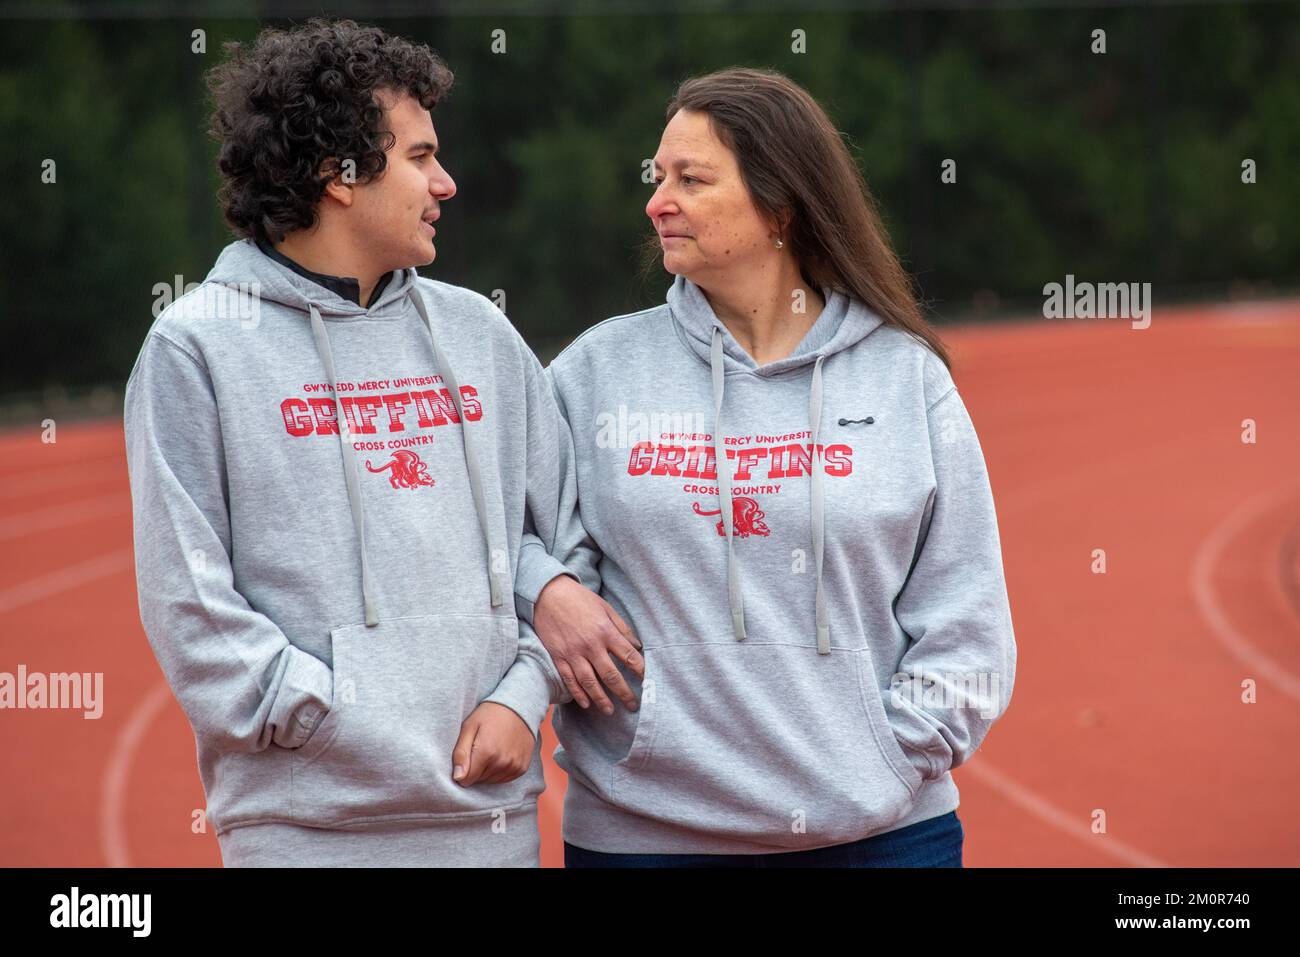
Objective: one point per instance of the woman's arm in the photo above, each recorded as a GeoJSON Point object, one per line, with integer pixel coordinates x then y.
{"type": "Point", "coordinates": [557, 578]}
{"type": "Point", "coordinates": [533, 682]}
{"type": "Point", "coordinates": [955, 679]}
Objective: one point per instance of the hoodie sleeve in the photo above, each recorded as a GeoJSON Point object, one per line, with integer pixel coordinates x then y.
{"type": "Point", "coordinates": [537, 569]}
{"type": "Point", "coordinates": [570, 549]}
{"type": "Point", "coordinates": [532, 684]}
{"type": "Point", "coordinates": [955, 679]}
{"type": "Point", "coordinates": [240, 681]}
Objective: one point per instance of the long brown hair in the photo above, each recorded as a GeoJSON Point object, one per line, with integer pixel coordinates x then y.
{"type": "Point", "coordinates": [794, 162]}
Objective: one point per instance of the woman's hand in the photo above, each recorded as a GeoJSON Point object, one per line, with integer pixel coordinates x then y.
{"type": "Point", "coordinates": [495, 745]}
{"type": "Point", "coordinates": [581, 632]}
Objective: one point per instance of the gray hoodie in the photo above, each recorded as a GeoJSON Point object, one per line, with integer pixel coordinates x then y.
{"type": "Point", "coordinates": [815, 667]}
{"type": "Point", "coordinates": [328, 503]}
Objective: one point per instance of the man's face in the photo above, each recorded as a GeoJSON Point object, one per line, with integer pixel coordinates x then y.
{"type": "Point", "coordinates": [701, 208]}
{"type": "Point", "coordinates": [392, 215]}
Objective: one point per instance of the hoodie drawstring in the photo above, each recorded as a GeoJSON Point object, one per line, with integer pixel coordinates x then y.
{"type": "Point", "coordinates": [735, 597]}
{"type": "Point", "coordinates": [351, 472]}
{"type": "Point", "coordinates": [497, 562]}
{"type": "Point", "coordinates": [349, 465]}
{"type": "Point", "coordinates": [818, 505]}
{"type": "Point", "coordinates": [734, 593]}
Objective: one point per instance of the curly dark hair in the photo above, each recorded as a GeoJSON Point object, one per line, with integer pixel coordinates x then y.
{"type": "Point", "coordinates": [288, 111]}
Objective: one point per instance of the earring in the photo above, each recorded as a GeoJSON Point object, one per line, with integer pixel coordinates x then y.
{"type": "Point", "coordinates": [779, 244]}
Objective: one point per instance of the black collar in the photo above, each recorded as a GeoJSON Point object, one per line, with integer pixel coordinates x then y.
{"type": "Point", "coordinates": [345, 286]}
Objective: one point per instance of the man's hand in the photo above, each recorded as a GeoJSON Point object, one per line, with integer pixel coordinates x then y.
{"type": "Point", "coordinates": [581, 632]}
{"type": "Point", "coordinates": [495, 745]}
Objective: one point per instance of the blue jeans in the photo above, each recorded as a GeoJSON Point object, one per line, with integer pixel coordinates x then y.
{"type": "Point", "coordinates": [933, 843]}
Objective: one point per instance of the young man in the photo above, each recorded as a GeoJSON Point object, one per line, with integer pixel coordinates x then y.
{"type": "Point", "coordinates": [332, 461]}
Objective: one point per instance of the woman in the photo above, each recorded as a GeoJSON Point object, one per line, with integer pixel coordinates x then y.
{"type": "Point", "coordinates": [803, 541]}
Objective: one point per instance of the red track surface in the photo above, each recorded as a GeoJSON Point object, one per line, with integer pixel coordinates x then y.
{"type": "Point", "coordinates": [1128, 699]}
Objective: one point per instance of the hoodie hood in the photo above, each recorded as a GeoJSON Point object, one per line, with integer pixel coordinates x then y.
{"type": "Point", "coordinates": [842, 323]}
{"type": "Point", "coordinates": [241, 265]}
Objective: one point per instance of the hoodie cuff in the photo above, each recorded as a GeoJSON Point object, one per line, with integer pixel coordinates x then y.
{"type": "Point", "coordinates": [307, 689]}
{"type": "Point", "coordinates": [917, 738]}
{"type": "Point", "coordinates": [919, 761]}
{"type": "Point", "coordinates": [536, 569]}
{"type": "Point", "coordinates": [526, 691]}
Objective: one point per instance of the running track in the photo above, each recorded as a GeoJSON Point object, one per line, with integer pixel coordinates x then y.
{"type": "Point", "coordinates": [1129, 684]}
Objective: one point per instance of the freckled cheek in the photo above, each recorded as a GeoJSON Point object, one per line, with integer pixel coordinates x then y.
{"type": "Point", "coordinates": [721, 242]}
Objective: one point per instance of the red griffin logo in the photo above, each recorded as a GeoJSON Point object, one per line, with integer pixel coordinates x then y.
{"type": "Point", "coordinates": [407, 470]}
{"type": "Point", "coordinates": [746, 517]}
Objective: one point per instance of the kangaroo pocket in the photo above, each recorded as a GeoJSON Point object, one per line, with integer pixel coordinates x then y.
{"type": "Point", "coordinates": [769, 743]}
{"type": "Point", "coordinates": [401, 691]}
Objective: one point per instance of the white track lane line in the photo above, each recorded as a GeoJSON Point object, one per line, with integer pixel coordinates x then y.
{"type": "Point", "coordinates": [112, 817]}
{"type": "Point", "coordinates": [1038, 495]}
{"type": "Point", "coordinates": [59, 481]}
{"type": "Point", "coordinates": [113, 843]}
{"type": "Point", "coordinates": [1048, 813]}
{"type": "Point", "coordinates": [60, 516]}
{"type": "Point", "coordinates": [66, 579]}
{"type": "Point", "coordinates": [1201, 582]}
{"type": "Point", "coordinates": [34, 467]}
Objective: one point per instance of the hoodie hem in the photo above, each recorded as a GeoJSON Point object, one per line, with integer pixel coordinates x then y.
{"type": "Point", "coordinates": [392, 841]}
{"type": "Point", "coordinates": [595, 825]}
{"type": "Point", "coordinates": [449, 819]}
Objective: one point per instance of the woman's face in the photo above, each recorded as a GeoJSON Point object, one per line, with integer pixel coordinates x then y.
{"type": "Point", "coordinates": [701, 209]}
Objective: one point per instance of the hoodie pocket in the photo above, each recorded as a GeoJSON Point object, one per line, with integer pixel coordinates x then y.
{"type": "Point", "coordinates": [769, 743]}
{"type": "Point", "coordinates": [401, 692]}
